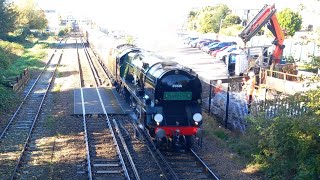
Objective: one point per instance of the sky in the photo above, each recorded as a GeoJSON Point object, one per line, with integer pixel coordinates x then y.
{"type": "Point", "coordinates": [147, 15]}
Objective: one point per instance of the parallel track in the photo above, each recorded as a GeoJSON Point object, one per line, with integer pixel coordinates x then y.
{"type": "Point", "coordinates": [15, 138]}
{"type": "Point", "coordinates": [100, 137]}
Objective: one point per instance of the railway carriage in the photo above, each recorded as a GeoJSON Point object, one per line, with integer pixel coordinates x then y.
{"type": "Point", "coordinates": [165, 96]}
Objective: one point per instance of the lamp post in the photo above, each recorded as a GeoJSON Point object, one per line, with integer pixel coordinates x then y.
{"type": "Point", "coordinates": [220, 25]}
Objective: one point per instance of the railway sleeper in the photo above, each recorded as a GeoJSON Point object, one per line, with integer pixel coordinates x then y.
{"type": "Point", "coordinates": [109, 172]}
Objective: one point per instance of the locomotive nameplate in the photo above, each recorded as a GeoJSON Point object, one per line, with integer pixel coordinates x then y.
{"type": "Point", "coordinates": [177, 96]}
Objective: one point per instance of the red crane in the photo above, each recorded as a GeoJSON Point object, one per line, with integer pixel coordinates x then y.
{"type": "Point", "coordinates": [266, 16]}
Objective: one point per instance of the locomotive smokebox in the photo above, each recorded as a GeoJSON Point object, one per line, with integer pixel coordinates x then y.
{"type": "Point", "coordinates": [160, 133]}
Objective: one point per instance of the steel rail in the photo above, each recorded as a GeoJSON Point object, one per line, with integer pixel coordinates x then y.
{"type": "Point", "coordinates": [173, 174]}
{"type": "Point", "coordinates": [28, 93]}
{"type": "Point", "coordinates": [211, 173]}
{"type": "Point", "coordinates": [92, 67]}
{"type": "Point", "coordinates": [84, 117]}
{"type": "Point", "coordinates": [35, 119]}
{"type": "Point", "coordinates": [110, 128]}
{"type": "Point", "coordinates": [125, 147]}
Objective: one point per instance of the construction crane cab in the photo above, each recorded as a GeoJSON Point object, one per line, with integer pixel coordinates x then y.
{"type": "Point", "coordinates": [266, 16]}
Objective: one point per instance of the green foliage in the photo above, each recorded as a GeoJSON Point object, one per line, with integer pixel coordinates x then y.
{"type": "Point", "coordinates": [15, 58]}
{"type": "Point", "coordinates": [286, 147]}
{"type": "Point", "coordinates": [11, 65]}
{"type": "Point", "coordinates": [7, 99]}
{"type": "Point", "coordinates": [289, 21]}
{"type": "Point", "coordinates": [192, 20]}
{"type": "Point", "coordinates": [206, 22]}
{"type": "Point", "coordinates": [315, 62]}
{"type": "Point", "coordinates": [30, 18]}
{"type": "Point", "coordinates": [8, 53]}
{"type": "Point", "coordinates": [231, 30]}
{"type": "Point", "coordinates": [208, 18]}
{"type": "Point", "coordinates": [8, 18]}
{"type": "Point", "coordinates": [317, 36]}
{"type": "Point", "coordinates": [231, 20]}
{"type": "Point", "coordinates": [64, 31]}
{"type": "Point", "coordinates": [221, 134]}
{"type": "Point", "coordinates": [129, 39]}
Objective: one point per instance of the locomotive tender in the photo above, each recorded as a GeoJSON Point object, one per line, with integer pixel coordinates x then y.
{"type": "Point", "coordinates": [165, 96]}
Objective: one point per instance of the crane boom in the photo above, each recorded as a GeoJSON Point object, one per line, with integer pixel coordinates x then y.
{"type": "Point", "coordinates": [266, 16]}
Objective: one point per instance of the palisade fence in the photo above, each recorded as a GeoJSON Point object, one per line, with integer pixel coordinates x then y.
{"type": "Point", "coordinates": [278, 107]}
{"type": "Point", "coordinates": [230, 107]}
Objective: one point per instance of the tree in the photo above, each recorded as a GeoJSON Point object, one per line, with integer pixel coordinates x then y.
{"type": "Point", "coordinates": [8, 18]}
{"type": "Point", "coordinates": [289, 21]}
{"type": "Point", "coordinates": [230, 20]}
{"type": "Point", "coordinates": [206, 22]}
{"type": "Point", "coordinates": [192, 23]}
{"type": "Point", "coordinates": [208, 18]}
{"type": "Point", "coordinates": [31, 16]}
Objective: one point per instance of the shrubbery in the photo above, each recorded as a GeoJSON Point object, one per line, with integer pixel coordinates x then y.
{"type": "Point", "coordinates": [64, 31]}
{"type": "Point", "coordinates": [8, 53]}
{"type": "Point", "coordinates": [286, 147]}
{"type": "Point", "coordinates": [7, 99]}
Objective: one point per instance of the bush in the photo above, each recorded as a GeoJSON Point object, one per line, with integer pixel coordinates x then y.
{"type": "Point", "coordinates": [7, 99]}
{"type": "Point", "coordinates": [64, 31]}
{"type": "Point", "coordinates": [11, 48]}
{"type": "Point", "coordinates": [233, 30]}
{"type": "Point", "coordinates": [287, 147]}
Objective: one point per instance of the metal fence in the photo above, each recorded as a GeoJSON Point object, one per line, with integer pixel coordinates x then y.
{"type": "Point", "coordinates": [227, 105]}
{"type": "Point", "coordinates": [278, 107]}
{"type": "Point", "coordinates": [230, 108]}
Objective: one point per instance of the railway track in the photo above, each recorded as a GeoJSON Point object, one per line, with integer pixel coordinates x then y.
{"type": "Point", "coordinates": [106, 155]}
{"type": "Point", "coordinates": [172, 165]}
{"type": "Point", "coordinates": [15, 138]}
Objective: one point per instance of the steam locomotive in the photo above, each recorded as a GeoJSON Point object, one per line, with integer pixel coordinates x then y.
{"type": "Point", "coordinates": [165, 96]}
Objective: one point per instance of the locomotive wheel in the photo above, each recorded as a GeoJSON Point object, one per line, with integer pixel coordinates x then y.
{"type": "Point", "coordinates": [189, 141]}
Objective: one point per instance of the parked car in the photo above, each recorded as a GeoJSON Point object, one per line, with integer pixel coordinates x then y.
{"type": "Point", "coordinates": [222, 54]}
{"type": "Point", "coordinates": [206, 43]}
{"type": "Point", "coordinates": [201, 41]}
{"type": "Point", "coordinates": [194, 43]}
{"type": "Point", "coordinates": [189, 39]}
{"type": "Point", "coordinates": [214, 53]}
{"type": "Point", "coordinates": [220, 45]}
{"type": "Point", "coordinates": [205, 48]}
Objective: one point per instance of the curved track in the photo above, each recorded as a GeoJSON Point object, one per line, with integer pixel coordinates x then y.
{"type": "Point", "coordinates": [15, 138]}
